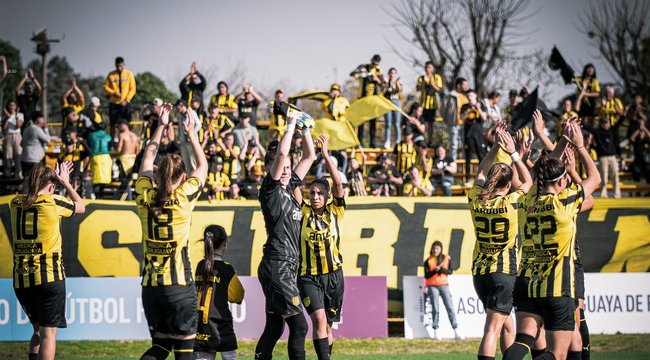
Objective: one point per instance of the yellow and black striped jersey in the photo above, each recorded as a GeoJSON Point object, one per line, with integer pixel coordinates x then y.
{"type": "Point", "coordinates": [230, 161]}
{"type": "Point", "coordinates": [526, 249]}
{"type": "Point", "coordinates": [609, 110]}
{"type": "Point", "coordinates": [320, 239]}
{"type": "Point", "coordinates": [216, 179]}
{"type": "Point", "coordinates": [551, 224]}
{"type": "Point", "coordinates": [76, 107]}
{"type": "Point", "coordinates": [225, 102]}
{"type": "Point", "coordinates": [368, 87]}
{"type": "Point", "coordinates": [405, 155]}
{"type": "Point", "coordinates": [76, 153]}
{"type": "Point", "coordinates": [495, 224]}
{"type": "Point", "coordinates": [166, 259]}
{"type": "Point", "coordinates": [427, 93]}
{"type": "Point", "coordinates": [278, 123]}
{"type": "Point", "coordinates": [36, 240]}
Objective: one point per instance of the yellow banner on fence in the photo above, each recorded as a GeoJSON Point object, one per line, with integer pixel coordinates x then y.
{"type": "Point", "coordinates": [381, 236]}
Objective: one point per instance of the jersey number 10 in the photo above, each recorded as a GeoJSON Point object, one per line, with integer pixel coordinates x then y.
{"type": "Point", "coordinates": [22, 232]}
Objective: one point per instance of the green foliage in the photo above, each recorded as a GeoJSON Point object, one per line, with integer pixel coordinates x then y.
{"type": "Point", "coordinates": [149, 87]}
{"type": "Point", "coordinates": [14, 62]}
{"type": "Point", "coordinates": [59, 79]}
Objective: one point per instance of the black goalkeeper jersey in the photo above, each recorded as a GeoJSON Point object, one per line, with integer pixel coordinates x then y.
{"type": "Point", "coordinates": [282, 217]}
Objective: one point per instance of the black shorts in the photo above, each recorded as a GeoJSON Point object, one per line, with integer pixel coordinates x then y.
{"type": "Point", "coordinates": [580, 280]}
{"type": "Point", "coordinates": [44, 304]}
{"type": "Point", "coordinates": [520, 299]}
{"type": "Point", "coordinates": [429, 115]}
{"type": "Point", "coordinates": [170, 309]}
{"type": "Point", "coordinates": [279, 283]}
{"type": "Point", "coordinates": [495, 291]}
{"type": "Point", "coordinates": [558, 313]}
{"type": "Point", "coordinates": [323, 292]}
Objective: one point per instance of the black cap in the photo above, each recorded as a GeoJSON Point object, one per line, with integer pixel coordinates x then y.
{"type": "Point", "coordinates": [67, 111]}
{"type": "Point", "coordinates": [181, 102]}
{"type": "Point", "coordinates": [512, 92]}
{"type": "Point", "coordinates": [376, 57]}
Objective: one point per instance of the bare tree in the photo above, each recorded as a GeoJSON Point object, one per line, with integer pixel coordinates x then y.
{"type": "Point", "coordinates": [620, 31]}
{"type": "Point", "coordinates": [434, 28]}
{"type": "Point", "coordinates": [476, 36]}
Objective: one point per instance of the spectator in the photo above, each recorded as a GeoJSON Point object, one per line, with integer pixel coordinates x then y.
{"type": "Point", "coordinates": [491, 107]}
{"type": "Point", "coordinates": [230, 154]}
{"type": "Point", "coordinates": [453, 104]}
{"type": "Point", "coordinates": [128, 147]}
{"type": "Point", "coordinates": [393, 91]}
{"type": "Point", "coordinates": [640, 140]}
{"type": "Point", "coordinates": [278, 124]}
{"type": "Point", "coordinates": [250, 187]}
{"type": "Point", "coordinates": [101, 163]}
{"type": "Point", "coordinates": [185, 147]}
{"type": "Point", "coordinates": [192, 86]}
{"type": "Point", "coordinates": [73, 98]}
{"type": "Point", "coordinates": [233, 194]}
{"type": "Point", "coordinates": [606, 147]}
{"type": "Point", "coordinates": [12, 122]}
{"type": "Point", "coordinates": [384, 178]}
{"type": "Point", "coordinates": [335, 106]}
{"type": "Point", "coordinates": [436, 270]}
{"type": "Point", "coordinates": [589, 90]}
{"type": "Point", "coordinates": [245, 132]}
{"type": "Point", "coordinates": [442, 173]}
{"type": "Point", "coordinates": [429, 85]}
{"type": "Point", "coordinates": [567, 113]}
{"type": "Point", "coordinates": [196, 106]}
{"type": "Point", "coordinates": [247, 103]}
{"type": "Point", "coordinates": [357, 184]}
{"type": "Point", "coordinates": [90, 116]}
{"type": "Point", "coordinates": [415, 186]}
{"type": "Point", "coordinates": [218, 183]}
{"type": "Point", "coordinates": [28, 92]}
{"type": "Point", "coordinates": [251, 155]}
{"type": "Point", "coordinates": [71, 120]}
{"type": "Point", "coordinates": [513, 101]}
{"type": "Point", "coordinates": [611, 107]}
{"type": "Point", "coordinates": [3, 71]}
{"type": "Point", "coordinates": [404, 152]}
{"type": "Point", "coordinates": [35, 138]}
{"type": "Point", "coordinates": [225, 102]}
{"type": "Point", "coordinates": [75, 150]}
{"type": "Point", "coordinates": [218, 125]}
{"type": "Point", "coordinates": [415, 122]}
{"type": "Point", "coordinates": [473, 116]}
{"type": "Point", "coordinates": [370, 79]}
{"type": "Point", "coordinates": [120, 88]}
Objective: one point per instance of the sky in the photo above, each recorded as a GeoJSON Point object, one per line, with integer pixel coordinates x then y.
{"type": "Point", "coordinates": [292, 44]}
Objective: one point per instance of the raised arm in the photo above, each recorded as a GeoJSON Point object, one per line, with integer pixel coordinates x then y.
{"type": "Point", "coordinates": [282, 154]}
{"type": "Point", "coordinates": [592, 181]}
{"type": "Point", "coordinates": [75, 87]}
{"type": "Point", "coordinates": [523, 181]}
{"type": "Point", "coordinates": [337, 185]}
{"type": "Point", "coordinates": [201, 171]}
{"type": "Point", "coordinates": [63, 171]}
{"type": "Point", "coordinates": [308, 154]}
{"type": "Point", "coordinates": [37, 84]}
{"type": "Point", "coordinates": [150, 152]}
{"type": "Point", "coordinates": [538, 130]}
{"type": "Point", "coordinates": [564, 140]}
{"type": "Point", "coordinates": [486, 163]}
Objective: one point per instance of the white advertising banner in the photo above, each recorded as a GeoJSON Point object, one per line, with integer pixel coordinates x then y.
{"type": "Point", "coordinates": [615, 302]}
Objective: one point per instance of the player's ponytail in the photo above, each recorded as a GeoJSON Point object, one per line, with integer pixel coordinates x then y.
{"type": "Point", "coordinates": [169, 171]}
{"type": "Point", "coordinates": [498, 177]}
{"type": "Point", "coordinates": [213, 237]}
{"type": "Point", "coordinates": [548, 170]}
{"type": "Point", "coordinates": [40, 177]}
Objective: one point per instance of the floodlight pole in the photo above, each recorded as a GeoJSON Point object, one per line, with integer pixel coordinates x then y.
{"type": "Point", "coordinates": [44, 85]}
{"type": "Point", "coordinates": [42, 48]}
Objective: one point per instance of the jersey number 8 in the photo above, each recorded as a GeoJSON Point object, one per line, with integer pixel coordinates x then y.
{"type": "Point", "coordinates": [160, 228]}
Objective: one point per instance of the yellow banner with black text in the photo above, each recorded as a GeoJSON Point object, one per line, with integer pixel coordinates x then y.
{"type": "Point", "coordinates": [381, 236]}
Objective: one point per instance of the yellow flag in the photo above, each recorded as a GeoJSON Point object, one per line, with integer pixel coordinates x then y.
{"type": "Point", "coordinates": [340, 134]}
{"type": "Point", "coordinates": [368, 108]}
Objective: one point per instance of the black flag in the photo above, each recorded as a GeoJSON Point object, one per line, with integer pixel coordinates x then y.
{"type": "Point", "coordinates": [556, 62]}
{"type": "Point", "coordinates": [523, 113]}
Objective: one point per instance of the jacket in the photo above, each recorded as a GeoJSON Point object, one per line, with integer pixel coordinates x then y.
{"type": "Point", "coordinates": [34, 140]}
{"type": "Point", "coordinates": [123, 82]}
